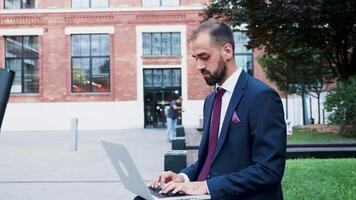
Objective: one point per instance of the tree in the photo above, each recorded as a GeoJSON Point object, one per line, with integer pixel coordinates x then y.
{"type": "Point", "coordinates": [328, 26]}
{"type": "Point", "coordinates": [341, 103]}
{"type": "Point", "coordinates": [297, 71]}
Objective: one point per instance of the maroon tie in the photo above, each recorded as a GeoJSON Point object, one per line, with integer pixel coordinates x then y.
{"type": "Point", "coordinates": [213, 135]}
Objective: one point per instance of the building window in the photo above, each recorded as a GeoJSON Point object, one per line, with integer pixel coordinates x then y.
{"type": "Point", "coordinates": [161, 44]}
{"type": "Point", "coordinates": [90, 3]}
{"type": "Point", "coordinates": [22, 57]}
{"type": "Point", "coordinates": [90, 63]}
{"type": "Point", "coordinates": [152, 3]}
{"type": "Point", "coordinates": [162, 78]}
{"type": "Point", "coordinates": [243, 56]}
{"type": "Point", "coordinates": [19, 4]}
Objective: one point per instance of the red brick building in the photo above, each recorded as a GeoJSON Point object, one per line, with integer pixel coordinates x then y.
{"type": "Point", "coordinates": [113, 64]}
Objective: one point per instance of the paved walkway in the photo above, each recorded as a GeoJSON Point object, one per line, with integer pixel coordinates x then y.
{"type": "Point", "coordinates": [41, 166]}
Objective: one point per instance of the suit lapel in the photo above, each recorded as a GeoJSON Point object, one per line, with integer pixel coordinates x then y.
{"type": "Point", "coordinates": [207, 120]}
{"type": "Point", "coordinates": [238, 92]}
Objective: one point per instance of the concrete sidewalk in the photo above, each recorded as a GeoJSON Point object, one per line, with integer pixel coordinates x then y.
{"type": "Point", "coordinates": [40, 165]}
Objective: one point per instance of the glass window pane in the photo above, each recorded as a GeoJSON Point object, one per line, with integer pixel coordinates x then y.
{"type": "Point", "coordinates": [80, 45]}
{"type": "Point", "coordinates": [156, 44]}
{"type": "Point", "coordinates": [12, 4]}
{"type": "Point", "coordinates": [91, 76]}
{"type": "Point", "coordinates": [105, 45]}
{"type": "Point", "coordinates": [157, 78]}
{"type": "Point", "coordinates": [100, 45]}
{"type": "Point", "coordinates": [19, 51]}
{"type": "Point", "coordinates": [170, 2]}
{"type": "Point", "coordinates": [148, 81]}
{"type": "Point", "coordinates": [167, 79]}
{"type": "Point", "coordinates": [146, 43]}
{"type": "Point", "coordinates": [80, 3]}
{"type": "Point", "coordinates": [31, 81]}
{"type": "Point", "coordinates": [176, 77]}
{"type": "Point", "coordinates": [99, 3]}
{"type": "Point", "coordinates": [241, 40]}
{"type": "Point", "coordinates": [176, 46]}
{"type": "Point", "coordinates": [30, 47]}
{"type": "Point", "coordinates": [95, 45]}
{"type": "Point", "coordinates": [13, 47]}
{"type": "Point", "coordinates": [150, 2]}
{"type": "Point", "coordinates": [75, 45]}
{"type": "Point", "coordinates": [81, 75]}
{"type": "Point", "coordinates": [101, 74]}
{"type": "Point", "coordinates": [245, 61]}
{"type": "Point", "coordinates": [29, 4]}
{"type": "Point", "coordinates": [166, 44]}
{"type": "Point", "coordinates": [15, 65]}
{"type": "Point", "coordinates": [85, 45]}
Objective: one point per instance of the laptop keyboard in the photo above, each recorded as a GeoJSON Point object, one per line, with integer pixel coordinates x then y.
{"type": "Point", "coordinates": [155, 192]}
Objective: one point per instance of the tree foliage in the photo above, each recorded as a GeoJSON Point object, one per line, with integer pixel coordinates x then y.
{"type": "Point", "coordinates": [341, 103]}
{"type": "Point", "coordinates": [327, 26]}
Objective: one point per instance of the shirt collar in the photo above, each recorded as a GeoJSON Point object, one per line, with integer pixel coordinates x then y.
{"type": "Point", "coordinates": [229, 84]}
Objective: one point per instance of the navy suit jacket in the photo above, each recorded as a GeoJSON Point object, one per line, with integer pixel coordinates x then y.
{"type": "Point", "coordinates": [250, 155]}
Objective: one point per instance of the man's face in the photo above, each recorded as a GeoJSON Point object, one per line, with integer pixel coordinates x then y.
{"type": "Point", "coordinates": [209, 60]}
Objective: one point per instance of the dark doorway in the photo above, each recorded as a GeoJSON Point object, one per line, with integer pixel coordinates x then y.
{"type": "Point", "coordinates": [160, 87]}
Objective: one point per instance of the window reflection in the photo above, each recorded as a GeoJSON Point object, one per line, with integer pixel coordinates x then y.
{"type": "Point", "coordinates": [21, 56]}
{"type": "Point", "coordinates": [90, 63]}
{"type": "Point", "coordinates": [243, 56]}
{"type": "Point", "coordinates": [19, 4]}
{"type": "Point", "coordinates": [162, 78]}
{"type": "Point", "coordinates": [161, 43]}
{"type": "Point", "coordinates": [90, 3]}
{"type": "Point", "coordinates": [160, 3]}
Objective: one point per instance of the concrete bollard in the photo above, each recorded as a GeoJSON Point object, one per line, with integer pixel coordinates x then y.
{"type": "Point", "coordinates": [74, 134]}
{"type": "Point", "coordinates": [178, 143]}
{"type": "Point", "coordinates": [180, 131]}
{"type": "Point", "coordinates": [175, 161]}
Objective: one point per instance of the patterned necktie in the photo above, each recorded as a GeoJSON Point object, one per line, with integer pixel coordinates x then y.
{"type": "Point", "coordinates": [213, 135]}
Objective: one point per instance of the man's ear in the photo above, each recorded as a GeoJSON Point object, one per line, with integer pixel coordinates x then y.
{"type": "Point", "coordinates": [227, 51]}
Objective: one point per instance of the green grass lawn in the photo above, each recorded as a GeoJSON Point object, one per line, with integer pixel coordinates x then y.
{"type": "Point", "coordinates": [306, 135]}
{"type": "Point", "coordinates": [324, 179]}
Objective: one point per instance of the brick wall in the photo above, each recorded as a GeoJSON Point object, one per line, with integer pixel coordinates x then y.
{"type": "Point", "coordinates": [55, 51]}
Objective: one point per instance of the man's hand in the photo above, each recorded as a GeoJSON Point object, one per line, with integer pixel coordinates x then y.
{"type": "Point", "coordinates": [194, 188]}
{"type": "Point", "coordinates": [166, 177]}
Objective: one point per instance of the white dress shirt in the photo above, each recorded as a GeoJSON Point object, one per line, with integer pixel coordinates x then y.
{"type": "Point", "coordinates": [228, 86]}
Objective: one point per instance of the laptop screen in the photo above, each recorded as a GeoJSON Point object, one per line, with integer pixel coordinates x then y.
{"type": "Point", "coordinates": [6, 78]}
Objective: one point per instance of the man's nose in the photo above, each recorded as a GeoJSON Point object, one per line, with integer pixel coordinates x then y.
{"type": "Point", "coordinates": [200, 66]}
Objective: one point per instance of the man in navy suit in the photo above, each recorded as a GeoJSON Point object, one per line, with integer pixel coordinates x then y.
{"type": "Point", "coordinates": [247, 157]}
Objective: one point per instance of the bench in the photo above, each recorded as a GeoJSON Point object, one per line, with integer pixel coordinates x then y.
{"type": "Point", "coordinates": [294, 150]}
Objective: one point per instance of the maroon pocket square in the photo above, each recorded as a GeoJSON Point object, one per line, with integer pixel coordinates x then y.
{"type": "Point", "coordinates": [235, 119]}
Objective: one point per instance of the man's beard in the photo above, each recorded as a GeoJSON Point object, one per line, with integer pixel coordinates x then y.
{"type": "Point", "coordinates": [217, 76]}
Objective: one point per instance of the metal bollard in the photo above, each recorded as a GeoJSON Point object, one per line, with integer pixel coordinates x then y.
{"type": "Point", "coordinates": [74, 134]}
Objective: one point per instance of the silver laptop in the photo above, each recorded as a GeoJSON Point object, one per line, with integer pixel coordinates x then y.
{"type": "Point", "coordinates": [131, 177]}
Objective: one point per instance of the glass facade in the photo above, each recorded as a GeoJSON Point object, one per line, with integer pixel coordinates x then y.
{"type": "Point", "coordinates": [243, 56]}
{"type": "Point", "coordinates": [90, 3]}
{"type": "Point", "coordinates": [90, 63]}
{"type": "Point", "coordinates": [161, 44]}
{"type": "Point", "coordinates": [148, 3]}
{"type": "Point", "coordinates": [19, 4]}
{"type": "Point", "coordinates": [22, 56]}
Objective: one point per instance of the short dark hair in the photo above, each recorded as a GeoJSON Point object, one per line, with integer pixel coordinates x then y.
{"type": "Point", "coordinates": [220, 33]}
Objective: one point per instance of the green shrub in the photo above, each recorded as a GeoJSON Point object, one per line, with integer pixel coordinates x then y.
{"type": "Point", "coordinates": [341, 102]}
